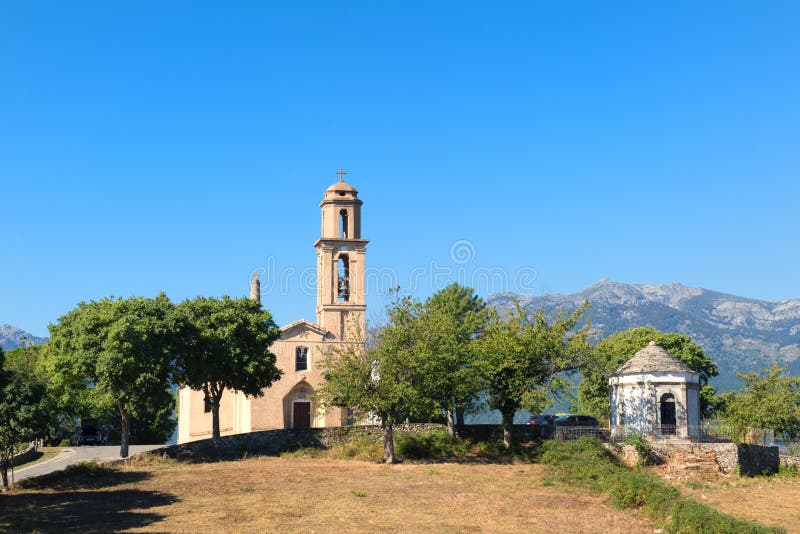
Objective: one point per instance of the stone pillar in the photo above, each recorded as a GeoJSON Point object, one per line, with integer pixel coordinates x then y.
{"type": "Point", "coordinates": [255, 288]}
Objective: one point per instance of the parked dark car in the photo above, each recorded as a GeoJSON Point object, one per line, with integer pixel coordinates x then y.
{"type": "Point", "coordinates": [545, 419]}
{"type": "Point", "coordinates": [88, 433]}
{"type": "Point", "coordinates": [542, 426]}
{"type": "Point", "coordinates": [576, 420]}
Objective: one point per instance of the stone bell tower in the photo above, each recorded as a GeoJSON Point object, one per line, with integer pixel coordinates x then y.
{"type": "Point", "coordinates": [341, 307]}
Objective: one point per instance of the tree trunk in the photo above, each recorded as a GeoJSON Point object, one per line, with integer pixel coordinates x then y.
{"type": "Point", "coordinates": [125, 438]}
{"type": "Point", "coordinates": [460, 416]}
{"type": "Point", "coordinates": [215, 419]}
{"type": "Point", "coordinates": [388, 444]}
{"type": "Point", "coordinates": [451, 423]}
{"type": "Point", "coordinates": [4, 469]}
{"type": "Point", "coordinates": [126, 435]}
{"type": "Point", "coordinates": [508, 424]}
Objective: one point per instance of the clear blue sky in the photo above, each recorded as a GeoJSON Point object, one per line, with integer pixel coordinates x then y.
{"type": "Point", "coordinates": [178, 146]}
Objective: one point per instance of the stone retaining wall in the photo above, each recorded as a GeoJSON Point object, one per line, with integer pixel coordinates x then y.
{"type": "Point", "coordinates": [24, 457]}
{"type": "Point", "coordinates": [280, 440]}
{"type": "Point", "coordinates": [747, 460]}
{"type": "Point", "coordinates": [790, 461]}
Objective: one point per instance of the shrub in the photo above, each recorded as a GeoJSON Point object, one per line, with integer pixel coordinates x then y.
{"type": "Point", "coordinates": [427, 445]}
{"type": "Point", "coordinates": [643, 448]}
{"type": "Point", "coordinates": [492, 450]}
{"type": "Point", "coordinates": [364, 449]}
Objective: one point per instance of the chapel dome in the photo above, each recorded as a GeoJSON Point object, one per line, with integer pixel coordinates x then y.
{"type": "Point", "coordinates": [653, 359]}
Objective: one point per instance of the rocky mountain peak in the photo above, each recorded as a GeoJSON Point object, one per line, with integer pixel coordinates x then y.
{"type": "Point", "coordinates": [12, 337]}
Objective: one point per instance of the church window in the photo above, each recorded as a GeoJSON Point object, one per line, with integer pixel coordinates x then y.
{"type": "Point", "coordinates": [343, 224]}
{"type": "Point", "coordinates": [206, 405]}
{"type": "Point", "coordinates": [301, 359]}
{"type": "Point", "coordinates": [343, 286]}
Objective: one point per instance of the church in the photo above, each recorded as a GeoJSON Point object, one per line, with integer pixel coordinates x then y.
{"type": "Point", "coordinates": [340, 318]}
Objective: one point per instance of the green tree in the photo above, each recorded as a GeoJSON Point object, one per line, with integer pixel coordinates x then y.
{"type": "Point", "coordinates": [25, 413]}
{"type": "Point", "coordinates": [117, 352]}
{"type": "Point", "coordinates": [227, 347]}
{"type": "Point", "coordinates": [381, 376]}
{"type": "Point", "coordinates": [522, 354]}
{"type": "Point", "coordinates": [610, 353]}
{"type": "Point", "coordinates": [452, 319]}
{"type": "Point", "coordinates": [25, 360]}
{"type": "Point", "coordinates": [769, 399]}
{"type": "Point", "coordinates": [25, 363]}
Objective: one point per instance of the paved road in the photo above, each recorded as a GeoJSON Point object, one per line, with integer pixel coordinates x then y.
{"type": "Point", "coordinates": [74, 455]}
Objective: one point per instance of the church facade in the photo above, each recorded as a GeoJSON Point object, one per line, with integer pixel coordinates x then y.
{"type": "Point", "coordinates": [340, 318]}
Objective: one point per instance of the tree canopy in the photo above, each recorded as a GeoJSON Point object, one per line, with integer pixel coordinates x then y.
{"type": "Point", "coordinates": [769, 399]}
{"type": "Point", "coordinates": [451, 321]}
{"type": "Point", "coordinates": [381, 377]}
{"type": "Point", "coordinates": [608, 354]}
{"type": "Point", "coordinates": [226, 346]}
{"type": "Point", "coordinates": [25, 412]}
{"type": "Point", "coordinates": [119, 352]}
{"type": "Point", "coordinates": [521, 355]}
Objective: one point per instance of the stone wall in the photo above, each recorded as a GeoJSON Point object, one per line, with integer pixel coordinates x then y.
{"type": "Point", "coordinates": [279, 440]}
{"type": "Point", "coordinates": [24, 457]}
{"type": "Point", "coordinates": [790, 461]}
{"type": "Point", "coordinates": [747, 460]}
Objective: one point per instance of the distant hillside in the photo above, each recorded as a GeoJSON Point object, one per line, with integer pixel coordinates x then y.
{"type": "Point", "coordinates": [741, 334]}
{"type": "Point", "coordinates": [11, 337]}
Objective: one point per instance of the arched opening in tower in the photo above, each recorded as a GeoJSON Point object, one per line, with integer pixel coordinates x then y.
{"type": "Point", "coordinates": [343, 224]}
{"type": "Point", "coordinates": [343, 284]}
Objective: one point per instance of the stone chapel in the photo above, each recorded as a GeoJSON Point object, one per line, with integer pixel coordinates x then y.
{"type": "Point", "coordinates": [655, 393]}
{"type": "Point", "coordinates": [341, 318]}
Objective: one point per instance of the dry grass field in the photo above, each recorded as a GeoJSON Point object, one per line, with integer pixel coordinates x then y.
{"type": "Point", "coordinates": [298, 494]}
{"type": "Point", "coordinates": [771, 501]}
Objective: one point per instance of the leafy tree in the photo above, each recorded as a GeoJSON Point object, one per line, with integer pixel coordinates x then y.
{"type": "Point", "coordinates": [24, 363]}
{"type": "Point", "coordinates": [227, 348]}
{"type": "Point", "coordinates": [770, 399]}
{"type": "Point", "coordinates": [608, 354]}
{"type": "Point", "coordinates": [117, 352]}
{"type": "Point", "coordinates": [521, 354]}
{"type": "Point", "coordinates": [24, 360]}
{"type": "Point", "coordinates": [451, 321]}
{"type": "Point", "coordinates": [25, 413]}
{"type": "Point", "coordinates": [381, 376]}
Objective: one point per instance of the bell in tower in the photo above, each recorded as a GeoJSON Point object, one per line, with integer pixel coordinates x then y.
{"type": "Point", "coordinates": [341, 305]}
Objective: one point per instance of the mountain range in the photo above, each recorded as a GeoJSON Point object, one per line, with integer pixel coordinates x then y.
{"type": "Point", "coordinates": [740, 334]}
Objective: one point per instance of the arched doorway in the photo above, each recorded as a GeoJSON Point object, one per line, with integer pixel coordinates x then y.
{"type": "Point", "coordinates": [668, 420]}
{"type": "Point", "coordinates": [297, 406]}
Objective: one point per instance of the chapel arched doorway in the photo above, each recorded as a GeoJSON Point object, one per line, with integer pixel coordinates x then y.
{"type": "Point", "coordinates": [668, 419]}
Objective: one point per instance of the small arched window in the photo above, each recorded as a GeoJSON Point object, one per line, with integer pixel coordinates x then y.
{"type": "Point", "coordinates": [301, 359]}
{"type": "Point", "coordinates": [343, 226]}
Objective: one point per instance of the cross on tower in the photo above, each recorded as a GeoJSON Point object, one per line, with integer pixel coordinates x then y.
{"type": "Point", "coordinates": [341, 174]}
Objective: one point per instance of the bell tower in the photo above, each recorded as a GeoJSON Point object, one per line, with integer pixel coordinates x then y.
{"type": "Point", "coordinates": [341, 307]}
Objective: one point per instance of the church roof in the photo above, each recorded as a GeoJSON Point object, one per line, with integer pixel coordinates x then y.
{"type": "Point", "coordinates": [653, 359]}
{"type": "Point", "coordinates": [302, 323]}
{"type": "Point", "coordinates": [341, 185]}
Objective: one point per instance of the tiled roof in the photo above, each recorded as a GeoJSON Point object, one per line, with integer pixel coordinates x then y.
{"type": "Point", "coordinates": [653, 359]}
